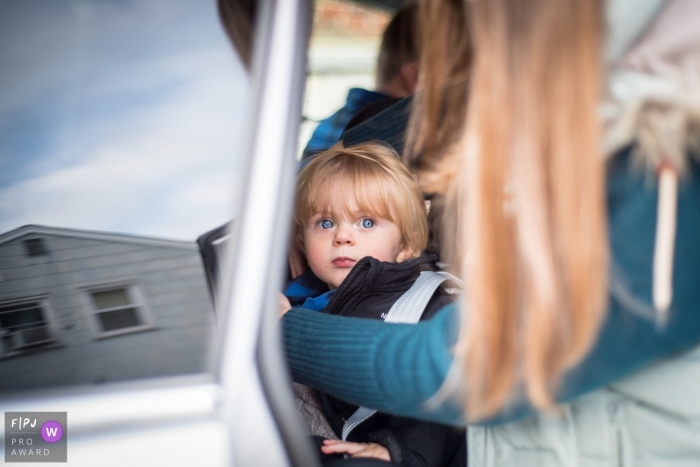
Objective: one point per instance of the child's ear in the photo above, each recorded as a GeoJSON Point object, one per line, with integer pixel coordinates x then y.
{"type": "Point", "coordinates": [405, 253]}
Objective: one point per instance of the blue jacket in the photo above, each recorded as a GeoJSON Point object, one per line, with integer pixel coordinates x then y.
{"type": "Point", "coordinates": [329, 130]}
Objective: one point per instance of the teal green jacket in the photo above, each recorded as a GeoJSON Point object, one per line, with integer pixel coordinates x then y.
{"type": "Point", "coordinates": [397, 368]}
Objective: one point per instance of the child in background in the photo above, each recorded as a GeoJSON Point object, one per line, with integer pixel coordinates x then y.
{"type": "Point", "coordinates": [360, 223]}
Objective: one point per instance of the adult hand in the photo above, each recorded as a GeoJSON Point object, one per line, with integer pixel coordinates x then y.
{"type": "Point", "coordinates": [374, 450]}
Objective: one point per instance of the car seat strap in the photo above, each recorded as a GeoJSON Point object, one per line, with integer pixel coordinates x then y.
{"type": "Point", "coordinates": [411, 305]}
{"type": "Point", "coordinates": [407, 309]}
{"type": "Point", "coordinates": [360, 415]}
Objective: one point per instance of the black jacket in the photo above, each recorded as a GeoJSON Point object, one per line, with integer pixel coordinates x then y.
{"type": "Point", "coordinates": [369, 291]}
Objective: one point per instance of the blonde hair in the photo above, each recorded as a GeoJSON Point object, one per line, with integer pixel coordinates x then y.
{"type": "Point", "coordinates": [527, 199]}
{"type": "Point", "coordinates": [379, 182]}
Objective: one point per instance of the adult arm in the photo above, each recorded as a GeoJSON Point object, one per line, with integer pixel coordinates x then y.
{"type": "Point", "coordinates": [396, 368]}
{"type": "Point", "coordinates": [392, 367]}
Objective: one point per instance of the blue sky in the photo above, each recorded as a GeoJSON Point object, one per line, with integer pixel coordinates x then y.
{"type": "Point", "coordinates": [119, 115]}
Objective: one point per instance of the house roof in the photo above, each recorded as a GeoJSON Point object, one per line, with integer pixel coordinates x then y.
{"type": "Point", "coordinates": [93, 235]}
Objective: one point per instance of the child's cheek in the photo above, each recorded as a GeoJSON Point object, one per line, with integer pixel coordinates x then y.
{"type": "Point", "coordinates": [314, 252]}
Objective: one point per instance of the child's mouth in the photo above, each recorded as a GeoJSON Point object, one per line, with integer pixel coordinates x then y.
{"type": "Point", "coordinates": [343, 262]}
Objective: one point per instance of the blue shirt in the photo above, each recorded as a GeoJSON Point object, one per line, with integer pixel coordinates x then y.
{"type": "Point", "coordinates": [318, 303]}
{"type": "Point", "coordinates": [308, 287]}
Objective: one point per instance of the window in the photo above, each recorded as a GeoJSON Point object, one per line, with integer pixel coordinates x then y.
{"type": "Point", "coordinates": [119, 310]}
{"type": "Point", "coordinates": [24, 325]}
{"type": "Point", "coordinates": [35, 247]}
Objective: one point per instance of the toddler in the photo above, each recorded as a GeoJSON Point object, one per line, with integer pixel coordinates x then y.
{"type": "Point", "coordinates": [360, 224]}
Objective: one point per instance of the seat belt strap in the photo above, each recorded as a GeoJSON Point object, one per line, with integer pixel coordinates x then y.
{"type": "Point", "coordinates": [411, 305]}
{"type": "Point", "coordinates": [360, 415]}
{"type": "Point", "coordinates": [407, 309]}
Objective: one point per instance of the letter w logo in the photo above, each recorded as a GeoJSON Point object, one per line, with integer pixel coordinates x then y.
{"type": "Point", "coordinates": [52, 431]}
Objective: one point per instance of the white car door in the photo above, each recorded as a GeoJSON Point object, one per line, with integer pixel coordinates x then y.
{"type": "Point", "coordinates": [236, 408]}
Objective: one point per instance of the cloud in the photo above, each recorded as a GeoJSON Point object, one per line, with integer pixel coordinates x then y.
{"type": "Point", "coordinates": [152, 144]}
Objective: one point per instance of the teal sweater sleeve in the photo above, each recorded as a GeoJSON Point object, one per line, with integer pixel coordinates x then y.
{"type": "Point", "coordinates": [396, 368]}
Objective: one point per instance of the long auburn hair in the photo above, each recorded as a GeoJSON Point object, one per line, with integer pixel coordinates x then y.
{"type": "Point", "coordinates": [526, 198]}
{"type": "Point", "coordinates": [439, 108]}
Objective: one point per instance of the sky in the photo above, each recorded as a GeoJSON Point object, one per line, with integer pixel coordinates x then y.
{"type": "Point", "coordinates": [121, 116]}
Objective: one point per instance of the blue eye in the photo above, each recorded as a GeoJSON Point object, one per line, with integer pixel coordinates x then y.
{"type": "Point", "coordinates": [325, 224]}
{"type": "Point", "coordinates": [367, 223]}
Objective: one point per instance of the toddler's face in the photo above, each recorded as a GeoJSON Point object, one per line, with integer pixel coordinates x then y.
{"type": "Point", "coordinates": [334, 242]}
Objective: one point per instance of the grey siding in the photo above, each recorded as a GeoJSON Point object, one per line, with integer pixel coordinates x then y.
{"type": "Point", "coordinates": [172, 286]}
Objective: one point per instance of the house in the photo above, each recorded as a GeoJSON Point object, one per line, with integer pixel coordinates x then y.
{"type": "Point", "coordinates": [83, 307]}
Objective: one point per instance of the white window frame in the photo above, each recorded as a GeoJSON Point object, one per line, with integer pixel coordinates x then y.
{"type": "Point", "coordinates": [133, 292]}
{"type": "Point", "coordinates": [47, 315]}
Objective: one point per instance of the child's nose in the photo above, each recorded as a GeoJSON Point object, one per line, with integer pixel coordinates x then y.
{"type": "Point", "coordinates": [343, 236]}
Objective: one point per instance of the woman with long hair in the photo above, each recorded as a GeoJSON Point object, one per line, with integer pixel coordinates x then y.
{"type": "Point", "coordinates": [573, 216]}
